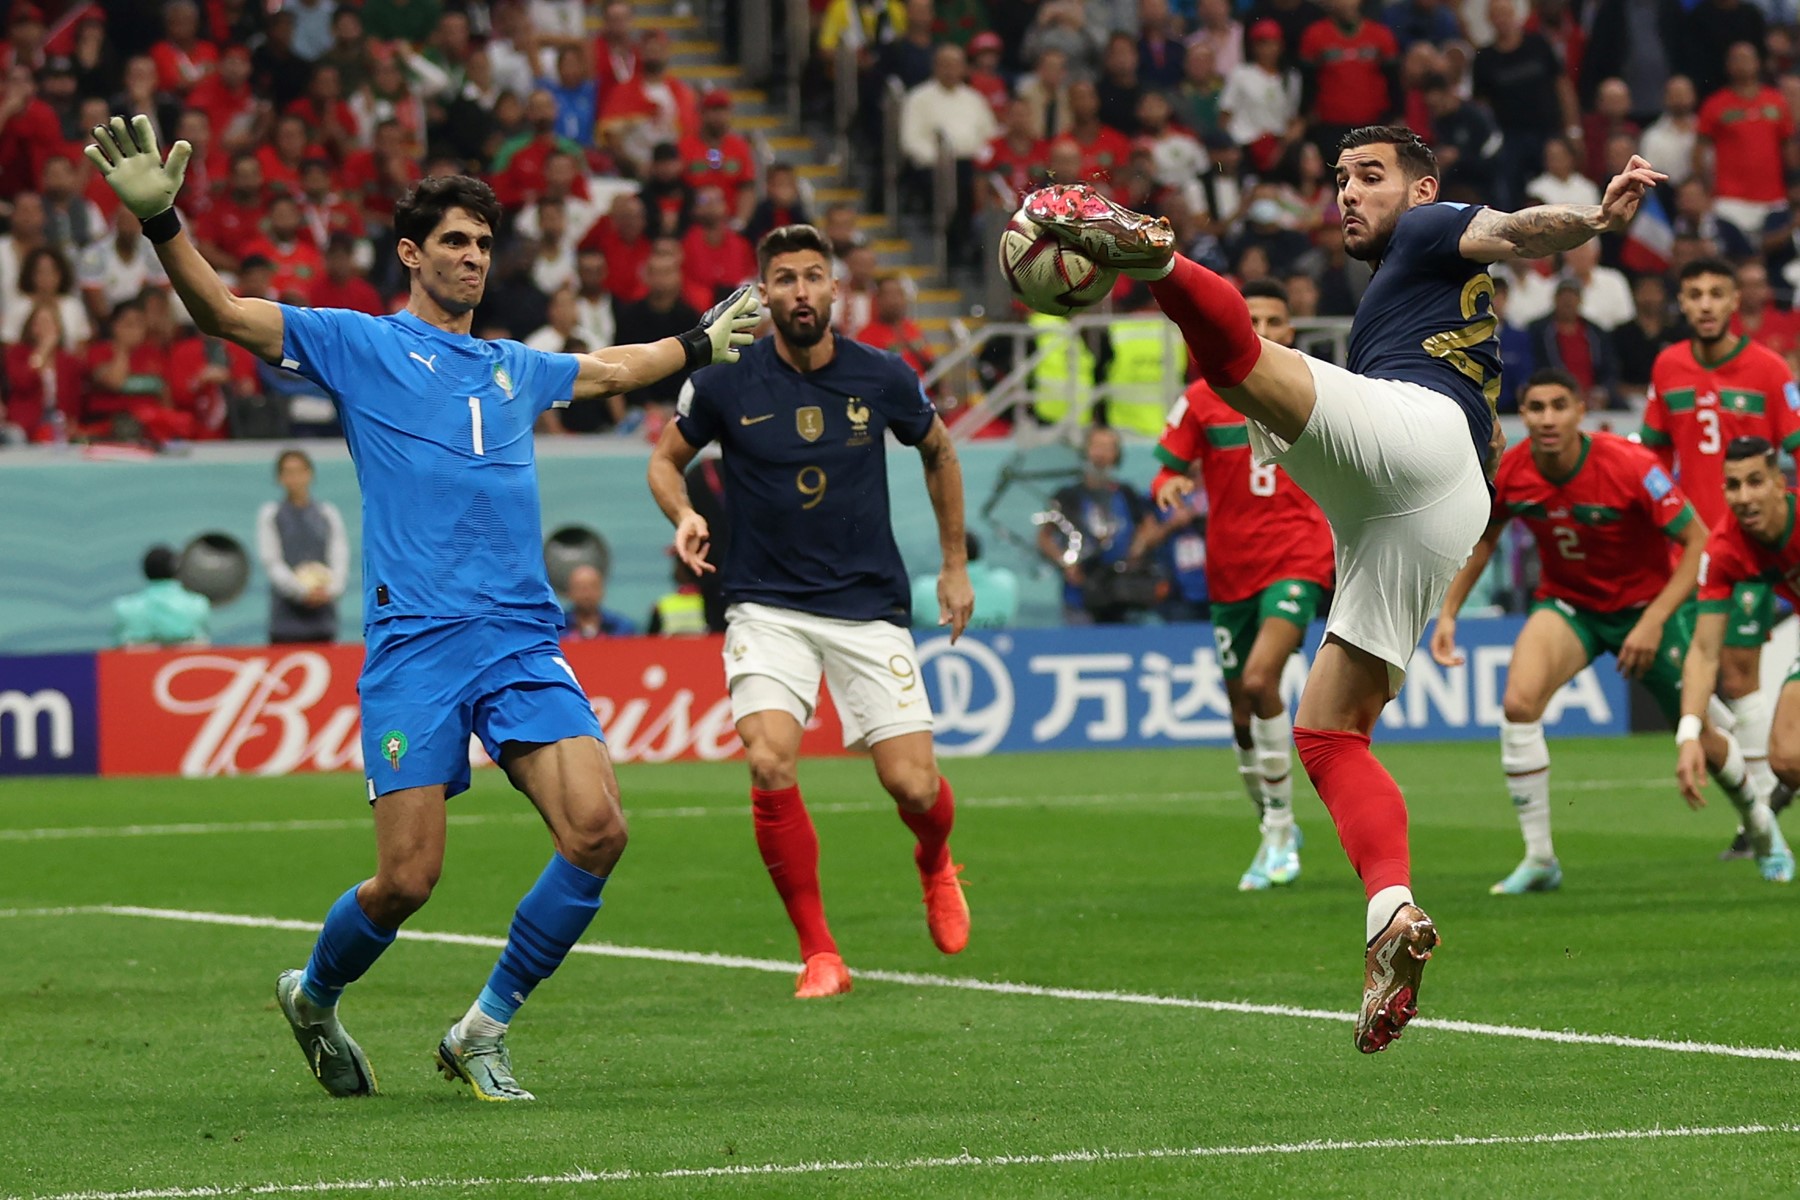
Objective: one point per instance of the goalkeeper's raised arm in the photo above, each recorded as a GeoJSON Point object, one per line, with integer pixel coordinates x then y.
{"type": "Point", "coordinates": [133, 165]}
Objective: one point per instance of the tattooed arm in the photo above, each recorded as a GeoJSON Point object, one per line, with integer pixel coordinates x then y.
{"type": "Point", "coordinates": [1551, 228]}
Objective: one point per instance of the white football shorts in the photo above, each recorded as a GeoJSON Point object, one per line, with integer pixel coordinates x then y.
{"type": "Point", "coordinates": [1392, 467]}
{"type": "Point", "coordinates": [870, 666]}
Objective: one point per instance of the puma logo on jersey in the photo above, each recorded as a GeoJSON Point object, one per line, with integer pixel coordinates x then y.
{"type": "Point", "coordinates": [755, 420]}
{"type": "Point", "coordinates": [429, 362]}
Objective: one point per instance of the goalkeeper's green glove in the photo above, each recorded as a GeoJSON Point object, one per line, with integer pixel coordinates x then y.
{"type": "Point", "coordinates": [133, 166]}
{"type": "Point", "coordinates": [727, 327]}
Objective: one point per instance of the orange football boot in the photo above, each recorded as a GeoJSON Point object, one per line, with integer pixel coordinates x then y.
{"type": "Point", "coordinates": [824, 975]}
{"type": "Point", "coordinates": [946, 909]}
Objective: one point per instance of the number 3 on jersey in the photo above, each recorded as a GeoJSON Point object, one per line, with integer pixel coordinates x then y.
{"type": "Point", "coordinates": [1708, 419]}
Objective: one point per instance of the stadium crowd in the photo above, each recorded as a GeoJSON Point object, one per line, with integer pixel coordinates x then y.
{"type": "Point", "coordinates": [633, 201]}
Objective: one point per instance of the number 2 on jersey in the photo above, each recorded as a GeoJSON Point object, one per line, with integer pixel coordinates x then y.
{"type": "Point", "coordinates": [475, 425]}
{"type": "Point", "coordinates": [1567, 543]}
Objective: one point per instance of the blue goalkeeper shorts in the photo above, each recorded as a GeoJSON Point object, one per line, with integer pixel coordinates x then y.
{"type": "Point", "coordinates": [428, 683]}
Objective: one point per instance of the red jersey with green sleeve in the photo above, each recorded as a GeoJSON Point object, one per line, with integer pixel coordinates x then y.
{"type": "Point", "coordinates": [1260, 527]}
{"type": "Point", "coordinates": [1734, 557]}
{"type": "Point", "coordinates": [1693, 411]}
{"type": "Point", "coordinates": [1600, 531]}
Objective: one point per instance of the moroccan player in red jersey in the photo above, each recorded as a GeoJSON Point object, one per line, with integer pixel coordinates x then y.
{"type": "Point", "coordinates": [1600, 509]}
{"type": "Point", "coordinates": [1268, 560]}
{"type": "Point", "coordinates": [1704, 393]}
{"type": "Point", "coordinates": [1392, 446]}
{"type": "Point", "coordinates": [1756, 543]}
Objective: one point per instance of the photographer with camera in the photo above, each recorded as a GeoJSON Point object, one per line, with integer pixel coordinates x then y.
{"type": "Point", "coordinates": [1100, 533]}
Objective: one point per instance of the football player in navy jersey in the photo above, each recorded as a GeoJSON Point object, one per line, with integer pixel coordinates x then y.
{"type": "Point", "coordinates": [1396, 450]}
{"type": "Point", "coordinates": [814, 582]}
{"type": "Point", "coordinates": [460, 623]}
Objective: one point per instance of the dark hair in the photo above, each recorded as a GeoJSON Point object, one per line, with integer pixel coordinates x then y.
{"type": "Point", "coordinates": [423, 208]}
{"type": "Point", "coordinates": [160, 561]}
{"type": "Point", "coordinates": [1415, 158]}
{"type": "Point", "coordinates": [1707, 266]}
{"type": "Point", "coordinates": [65, 283]}
{"type": "Point", "coordinates": [1740, 448]}
{"type": "Point", "coordinates": [1265, 289]}
{"type": "Point", "coordinates": [1553, 377]}
{"type": "Point", "coordinates": [790, 239]}
{"type": "Point", "coordinates": [281, 460]}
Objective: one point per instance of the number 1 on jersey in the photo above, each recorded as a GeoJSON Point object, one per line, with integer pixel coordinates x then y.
{"type": "Point", "coordinates": [475, 425]}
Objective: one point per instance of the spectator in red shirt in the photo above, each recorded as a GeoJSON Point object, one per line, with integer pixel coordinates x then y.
{"type": "Point", "coordinates": [1759, 316]}
{"type": "Point", "coordinates": [341, 285]}
{"type": "Point", "coordinates": [42, 374]}
{"type": "Point", "coordinates": [1567, 340]}
{"type": "Point", "coordinates": [1013, 163]}
{"type": "Point", "coordinates": [1746, 123]}
{"type": "Point", "coordinates": [182, 58]}
{"type": "Point", "coordinates": [517, 173]}
{"type": "Point", "coordinates": [1350, 68]}
{"type": "Point", "coordinates": [717, 257]}
{"type": "Point", "coordinates": [695, 293]}
{"type": "Point", "coordinates": [282, 157]}
{"type": "Point", "coordinates": [715, 156]}
{"type": "Point", "coordinates": [1103, 148]}
{"type": "Point", "coordinates": [30, 134]}
{"type": "Point", "coordinates": [209, 168]}
{"type": "Point", "coordinates": [652, 106]}
{"type": "Point", "coordinates": [232, 220]}
{"type": "Point", "coordinates": [374, 178]}
{"type": "Point", "coordinates": [893, 329]}
{"type": "Point", "coordinates": [206, 374]}
{"type": "Point", "coordinates": [615, 50]}
{"type": "Point", "coordinates": [24, 41]}
{"type": "Point", "coordinates": [324, 213]}
{"type": "Point", "coordinates": [289, 249]}
{"type": "Point", "coordinates": [985, 50]}
{"type": "Point", "coordinates": [622, 235]}
{"type": "Point", "coordinates": [228, 101]}
{"type": "Point", "coordinates": [129, 374]}
{"type": "Point", "coordinates": [328, 116]}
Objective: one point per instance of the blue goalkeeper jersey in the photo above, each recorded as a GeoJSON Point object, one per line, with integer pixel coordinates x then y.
{"type": "Point", "coordinates": [439, 425]}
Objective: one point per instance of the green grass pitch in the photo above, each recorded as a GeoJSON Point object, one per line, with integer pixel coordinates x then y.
{"type": "Point", "coordinates": [141, 1052]}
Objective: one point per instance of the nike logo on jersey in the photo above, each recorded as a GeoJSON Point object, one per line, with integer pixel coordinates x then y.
{"type": "Point", "coordinates": [427, 361]}
{"type": "Point", "coordinates": [755, 420]}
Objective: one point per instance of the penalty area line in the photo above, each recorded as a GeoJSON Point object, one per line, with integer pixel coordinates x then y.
{"type": "Point", "coordinates": [736, 962]}
{"type": "Point", "coordinates": [964, 1160]}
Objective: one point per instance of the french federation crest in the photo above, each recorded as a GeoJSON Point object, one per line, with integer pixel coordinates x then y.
{"type": "Point", "coordinates": [809, 422]}
{"type": "Point", "coordinates": [502, 380]}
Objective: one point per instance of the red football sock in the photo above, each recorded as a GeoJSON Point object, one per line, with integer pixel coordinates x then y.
{"type": "Point", "coordinates": [932, 828]}
{"type": "Point", "coordinates": [1364, 802]}
{"type": "Point", "coordinates": [1213, 319]}
{"type": "Point", "coordinates": [790, 849]}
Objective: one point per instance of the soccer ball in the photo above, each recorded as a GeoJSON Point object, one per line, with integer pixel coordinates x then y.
{"type": "Point", "coordinates": [1046, 275]}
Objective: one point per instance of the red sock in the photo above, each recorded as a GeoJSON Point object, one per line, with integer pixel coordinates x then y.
{"type": "Point", "coordinates": [790, 849]}
{"type": "Point", "coordinates": [1364, 802]}
{"type": "Point", "coordinates": [1213, 319]}
{"type": "Point", "coordinates": [932, 828]}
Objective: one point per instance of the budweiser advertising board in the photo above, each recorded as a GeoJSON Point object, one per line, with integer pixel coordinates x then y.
{"type": "Point", "coordinates": [279, 709]}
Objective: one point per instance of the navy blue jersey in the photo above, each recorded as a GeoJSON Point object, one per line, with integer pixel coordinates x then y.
{"type": "Point", "coordinates": [439, 425]}
{"type": "Point", "coordinates": [805, 470]}
{"type": "Point", "coordinates": [1426, 317]}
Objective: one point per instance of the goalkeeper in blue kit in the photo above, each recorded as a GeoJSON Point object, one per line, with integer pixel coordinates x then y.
{"type": "Point", "coordinates": [460, 623]}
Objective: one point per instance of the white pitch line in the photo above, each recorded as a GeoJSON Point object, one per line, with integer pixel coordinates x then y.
{"type": "Point", "coordinates": [1083, 800]}
{"type": "Point", "coordinates": [965, 1160]}
{"type": "Point", "coordinates": [954, 983]}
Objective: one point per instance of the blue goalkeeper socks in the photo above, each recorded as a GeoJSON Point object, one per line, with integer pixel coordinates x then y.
{"type": "Point", "coordinates": [552, 916]}
{"type": "Point", "coordinates": [348, 945]}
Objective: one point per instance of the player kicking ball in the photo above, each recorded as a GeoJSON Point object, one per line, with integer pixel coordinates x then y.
{"type": "Point", "coordinates": [1600, 509]}
{"type": "Point", "coordinates": [1705, 392]}
{"type": "Point", "coordinates": [1392, 449]}
{"type": "Point", "coordinates": [1756, 543]}
{"type": "Point", "coordinates": [814, 582]}
{"type": "Point", "coordinates": [1268, 562]}
{"type": "Point", "coordinates": [460, 623]}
